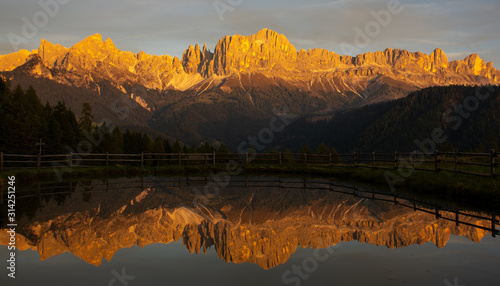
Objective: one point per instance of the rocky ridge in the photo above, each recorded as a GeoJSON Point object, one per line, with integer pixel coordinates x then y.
{"type": "Point", "coordinates": [228, 94]}
{"type": "Point", "coordinates": [267, 53]}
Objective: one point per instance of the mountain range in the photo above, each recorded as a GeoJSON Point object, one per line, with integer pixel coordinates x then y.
{"type": "Point", "coordinates": [230, 92]}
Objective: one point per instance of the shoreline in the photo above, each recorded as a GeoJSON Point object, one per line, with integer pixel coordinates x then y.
{"type": "Point", "coordinates": [422, 181]}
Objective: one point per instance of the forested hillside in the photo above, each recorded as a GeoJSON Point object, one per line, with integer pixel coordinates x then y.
{"type": "Point", "coordinates": [469, 117]}
{"type": "Point", "coordinates": [24, 120]}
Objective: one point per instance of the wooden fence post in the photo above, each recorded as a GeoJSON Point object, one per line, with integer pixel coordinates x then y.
{"type": "Point", "coordinates": [179, 159]}
{"type": "Point", "coordinates": [373, 159]}
{"type": "Point", "coordinates": [493, 155]}
{"type": "Point", "coordinates": [142, 159]}
{"type": "Point", "coordinates": [395, 159]}
{"type": "Point", "coordinates": [331, 159]}
{"type": "Point", "coordinates": [414, 158]}
{"type": "Point", "coordinates": [436, 161]}
{"type": "Point", "coordinates": [70, 159]}
{"type": "Point", "coordinates": [213, 158]}
{"type": "Point", "coordinates": [107, 159]}
{"type": "Point", "coordinates": [456, 161]}
{"type": "Point", "coordinates": [1, 161]}
{"type": "Point", "coordinates": [279, 158]}
{"type": "Point", "coordinates": [355, 161]}
{"type": "Point", "coordinates": [305, 159]}
{"type": "Point", "coordinates": [246, 158]}
{"type": "Point", "coordinates": [493, 227]}
{"type": "Point", "coordinates": [39, 161]}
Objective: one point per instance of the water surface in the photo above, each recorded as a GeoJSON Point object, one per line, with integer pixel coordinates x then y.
{"type": "Point", "coordinates": [245, 231]}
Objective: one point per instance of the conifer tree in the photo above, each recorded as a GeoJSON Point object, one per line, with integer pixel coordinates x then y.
{"type": "Point", "coordinates": [222, 149]}
{"type": "Point", "coordinates": [167, 146]}
{"type": "Point", "coordinates": [86, 118]}
{"type": "Point", "coordinates": [147, 144]}
{"type": "Point", "coordinates": [305, 149]}
{"type": "Point", "coordinates": [117, 145]}
{"type": "Point", "coordinates": [158, 146]}
{"type": "Point", "coordinates": [176, 148]}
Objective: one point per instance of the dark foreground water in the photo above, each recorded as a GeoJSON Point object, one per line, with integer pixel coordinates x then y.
{"type": "Point", "coordinates": [244, 231]}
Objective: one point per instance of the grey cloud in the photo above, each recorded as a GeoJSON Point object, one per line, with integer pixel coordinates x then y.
{"type": "Point", "coordinates": [169, 27]}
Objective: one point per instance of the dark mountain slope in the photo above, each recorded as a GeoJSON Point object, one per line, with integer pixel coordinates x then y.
{"type": "Point", "coordinates": [398, 124]}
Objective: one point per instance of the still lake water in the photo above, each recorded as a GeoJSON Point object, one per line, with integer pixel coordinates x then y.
{"type": "Point", "coordinates": [245, 231]}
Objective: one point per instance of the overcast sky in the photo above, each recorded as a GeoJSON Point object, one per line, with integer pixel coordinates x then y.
{"type": "Point", "coordinates": [459, 27]}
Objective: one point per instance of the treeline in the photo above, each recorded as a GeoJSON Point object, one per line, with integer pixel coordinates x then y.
{"type": "Point", "coordinates": [116, 142]}
{"type": "Point", "coordinates": [24, 120]}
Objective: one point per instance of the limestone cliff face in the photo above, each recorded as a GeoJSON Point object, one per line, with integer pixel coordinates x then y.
{"type": "Point", "coordinates": [264, 50]}
{"type": "Point", "coordinates": [96, 60]}
{"type": "Point", "coordinates": [14, 60]}
{"type": "Point", "coordinates": [51, 54]}
{"type": "Point", "coordinates": [192, 59]}
{"type": "Point", "coordinates": [266, 54]}
{"type": "Point", "coordinates": [474, 65]}
{"type": "Point", "coordinates": [263, 226]}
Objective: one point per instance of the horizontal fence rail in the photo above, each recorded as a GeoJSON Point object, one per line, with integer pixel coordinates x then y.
{"type": "Point", "coordinates": [477, 164]}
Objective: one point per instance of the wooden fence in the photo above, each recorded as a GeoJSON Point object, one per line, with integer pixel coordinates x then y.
{"type": "Point", "coordinates": [478, 164]}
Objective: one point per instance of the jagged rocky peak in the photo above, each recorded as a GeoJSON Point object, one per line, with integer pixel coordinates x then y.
{"type": "Point", "coordinates": [86, 55]}
{"type": "Point", "coordinates": [94, 45]}
{"type": "Point", "coordinates": [318, 59]}
{"type": "Point", "coordinates": [34, 66]}
{"type": "Point", "coordinates": [51, 53]}
{"type": "Point", "coordinates": [13, 60]}
{"type": "Point", "coordinates": [439, 58]}
{"type": "Point", "coordinates": [141, 55]}
{"type": "Point", "coordinates": [474, 63]}
{"type": "Point", "coordinates": [109, 43]}
{"type": "Point", "coordinates": [90, 41]}
{"type": "Point", "coordinates": [192, 59]}
{"type": "Point", "coordinates": [263, 50]}
{"type": "Point", "coordinates": [404, 60]}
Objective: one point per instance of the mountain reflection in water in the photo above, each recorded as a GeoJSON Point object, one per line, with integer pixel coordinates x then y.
{"type": "Point", "coordinates": [256, 220]}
